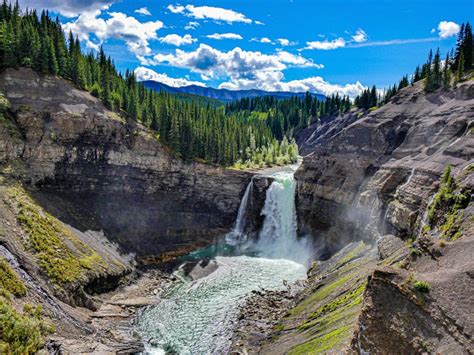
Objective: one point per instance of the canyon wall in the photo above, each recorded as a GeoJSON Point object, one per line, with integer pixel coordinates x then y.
{"type": "Point", "coordinates": [97, 171]}
{"type": "Point", "coordinates": [366, 175]}
{"type": "Point", "coordinates": [393, 228]}
{"type": "Point", "coordinates": [84, 194]}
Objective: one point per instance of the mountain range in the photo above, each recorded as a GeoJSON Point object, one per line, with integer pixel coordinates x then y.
{"type": "Point", "coordinates": [223, 95]}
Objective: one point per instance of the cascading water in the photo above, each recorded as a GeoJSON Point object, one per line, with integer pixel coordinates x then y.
{"type": "Point", "coordinates": [198, 316]}
{"type": "Point", "coordinates": [278, 237]}
{"type": "Point", "coordinates": [237, 235]}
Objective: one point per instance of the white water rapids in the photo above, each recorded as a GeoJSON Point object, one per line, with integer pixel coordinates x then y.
{"type": "Point", "coordinates": [198, 317]}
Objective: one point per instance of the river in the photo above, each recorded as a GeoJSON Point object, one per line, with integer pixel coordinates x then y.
{"type": "Point", "coordinates": [197, 315]}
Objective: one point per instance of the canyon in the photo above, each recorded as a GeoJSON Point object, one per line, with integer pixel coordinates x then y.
{"type": "Point", "coordinates": [117, 205]}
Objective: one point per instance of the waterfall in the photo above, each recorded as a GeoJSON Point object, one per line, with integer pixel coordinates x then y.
{"type": "Point", "coordinates": [238, 235]}
{"type": "Point", "coordinates": [199, 316]}
{"type": "Point", "coordinates": [278, 237]}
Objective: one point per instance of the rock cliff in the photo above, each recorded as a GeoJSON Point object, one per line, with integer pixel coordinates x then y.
{"type": "Point", "coordinates": [96, 171]}
{"type": "Point", "coordinates": [366, 175]}
{"type": "Point", "coordinates": [388, 197]}
{"type": "Point", "coordinates": [84, 193]}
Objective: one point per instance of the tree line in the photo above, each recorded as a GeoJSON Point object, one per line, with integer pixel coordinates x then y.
{"type": "Point", "coordinates": [192, 130]}
{"type": "Point", "coordinates": [435, 71]}
{"type": "Point", "coordinates": [286, 116]}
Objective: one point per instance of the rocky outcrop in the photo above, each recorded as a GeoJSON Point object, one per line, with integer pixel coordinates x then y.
{"type": "Point", "coordinates": [426, 295]}
{"type": "Point", "coordinates": [324, 314]}
{"type": "Point", "coordinates": [371, 174]}
{"type": "Point", "coordinates": [84, 193]}
{"type": "Point", "coordinates": [96, 171]}
{"type": "Point", "coordinates": [376, 177]}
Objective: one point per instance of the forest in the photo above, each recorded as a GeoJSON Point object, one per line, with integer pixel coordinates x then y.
{"type": "Point", "coordinates": [252, 132]}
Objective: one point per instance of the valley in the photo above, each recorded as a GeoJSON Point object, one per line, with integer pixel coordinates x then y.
{"type": "Point", "coordinates": [141, 221]}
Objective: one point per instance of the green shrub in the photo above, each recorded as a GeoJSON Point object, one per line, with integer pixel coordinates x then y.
{"type": "Point", "coordinates": [415, 252]}
{"type": "Point", "coordinates": [443, 198]}
{"type": "Point", "coordinates": [9, 280]}
{"type": "Point", "coordinates": [421, 286]}
{"type": "Point", "coordinates": [63, 256]}
{"type": "Point", "coordinates": [4, 103]}
{"type": "Point", "coordinates": [19, 334]}
{"type": "Point", "coordinates": [96, 90]}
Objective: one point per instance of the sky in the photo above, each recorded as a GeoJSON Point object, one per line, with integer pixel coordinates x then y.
{"type": "Point", "coordinates": [290, 45]}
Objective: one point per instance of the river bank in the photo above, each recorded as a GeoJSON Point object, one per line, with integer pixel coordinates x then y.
{"type": "Point", "coordinates": [113, 320]}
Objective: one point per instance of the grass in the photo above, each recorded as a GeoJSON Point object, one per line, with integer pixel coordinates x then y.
{"type": "Point", "coordinates": [320, 294]}
{"type": "Point", "coordinates": [336, 310]}
{"type": "Point", "coordinates": [60, 253]}
{"type": "Point", "coordinates": [10, 281]}
{"type": "Point", "coordinates": [326, 342]}
{"type": "Point", "coordinates": [352, 254]}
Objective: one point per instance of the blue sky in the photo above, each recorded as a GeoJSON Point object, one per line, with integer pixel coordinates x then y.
{"type": "Point", "coordinates": [324, 46]}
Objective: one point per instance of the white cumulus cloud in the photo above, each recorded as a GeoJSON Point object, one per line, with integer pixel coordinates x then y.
{"type": "Point", "coordinates": [284, 42]}
{"type": "Point", "coordinates": [192, 25]}
{"type": "Point", "coordinates": [360, 36]}
{"type": "Point", "coordinates": [119, 26]}
{"type": "Point", "coordinates": [209, 12]}
{"type": "Point", "coordinates": [143, 11]}
{"type": "Point", "coordinates": [220, 36]}
{"type": "Point", "coordinates": [274, 81]}
{"type": "Point", "coordinates": [143, 74]}
{"type": "Point", "coordinates": [177, 40]}
{"type": "Point", "coordinates": [68, 8]}
{"type": "Point", "coordinates": [326, 45]}
{"type": "Point", "coordinates": [235, 64]}
{"type": "Point", "coordinates": [262, 40]}
{"type": "Point", "coordinates": [448, 29]}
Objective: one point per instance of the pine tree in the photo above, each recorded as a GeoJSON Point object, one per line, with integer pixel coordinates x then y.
{"type": "Point", "coordinates": [428, 73]}
{"type": "Point", "coordinates": [446, 73]}
{"type": "Point", "coordinates": [460, 68]}
{"type": "Point", "coordinates": [436, 77]}
{"type": "Point", "coordinates": [468, 47]}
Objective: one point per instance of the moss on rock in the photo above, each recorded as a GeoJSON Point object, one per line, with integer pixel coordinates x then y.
{"type": "Point", "coordinates": [61, 254]}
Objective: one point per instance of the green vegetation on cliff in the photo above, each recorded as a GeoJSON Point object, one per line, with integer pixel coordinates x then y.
{"type": "Point", "coordinates": [20, 332]}
{"type": "Point", "coordinates": [9, 280]}
{"type": "Point", "coordinates": [63, 257]}
{"type": "Point", "coordinates": [446, 212]}
{"type": "Point", "coordinates": [324, 319]}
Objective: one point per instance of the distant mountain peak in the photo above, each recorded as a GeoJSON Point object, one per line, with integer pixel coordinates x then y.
{"type": "Point", "coordinates": [224, 95]}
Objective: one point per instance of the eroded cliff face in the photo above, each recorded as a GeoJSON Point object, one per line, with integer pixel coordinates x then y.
{"type": "Point", "coordinates": [363, 176]}
{"type": "Point", "coordinates": [84, 194]}
{"type": "Point", "coordinates": [393, 226]}
{"type": "Point", "coordinates": [95, 171]}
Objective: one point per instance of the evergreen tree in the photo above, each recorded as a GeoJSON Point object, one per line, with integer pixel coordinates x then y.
{"type": "Point", "coordinates": [446, 73]}
{"type": "Point", "coordinates": [428, 75]}
{"type": "Point", "coordinates": [460, 69]}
